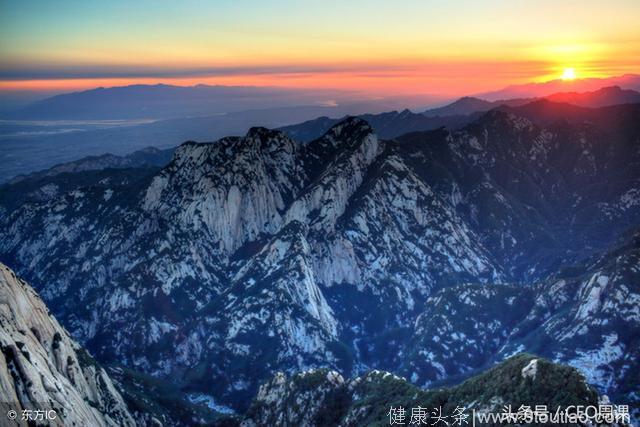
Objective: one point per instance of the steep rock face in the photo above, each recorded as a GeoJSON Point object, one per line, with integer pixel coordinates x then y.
{"type": "Point", "coordinates": [272, 316]}
{"type": "Point", "coordinates": [396, 244]}
{"type": "Point", "coordinates": [463, 169]}
{"type": "Point", "coordinates": [341, 158]}
{"type": "Point", "coordinates": [397, 222]}
{"type": "Point", "coordinates": [41, 367]}
{"type": "Point", "coordinates": [233, 190]}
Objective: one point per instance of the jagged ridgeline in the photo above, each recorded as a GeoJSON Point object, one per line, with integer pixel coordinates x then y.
{"type": "Point", "coordinates": [433, 256]}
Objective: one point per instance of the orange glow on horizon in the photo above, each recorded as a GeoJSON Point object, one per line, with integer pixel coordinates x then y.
{"type": "Point", "coordinates": [386, 48]}
{"type": "Point", "coordinates": [437, 77]}
{"type": "Point", "coordinates": [452, 78]}
{"type": "Point", "coordinates": [372, 83]}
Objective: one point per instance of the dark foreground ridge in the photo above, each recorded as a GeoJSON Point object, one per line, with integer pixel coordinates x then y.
{"type": "Point", "coordinates": [324, 398]}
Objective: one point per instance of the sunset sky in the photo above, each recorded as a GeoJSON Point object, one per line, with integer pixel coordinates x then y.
{"type": "Point", "coordinates": [400, 47]}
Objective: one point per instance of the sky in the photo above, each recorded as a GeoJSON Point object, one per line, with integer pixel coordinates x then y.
{"type": "Point", "coordinates": [381, 48]}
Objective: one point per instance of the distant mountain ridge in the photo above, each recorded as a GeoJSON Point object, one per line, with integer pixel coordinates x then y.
{"type": "Point", "coordinates": [387, 125]}
{"type": "Point", "coordinates": [602, 97]}
{"type": "Point", "coordinates": [25, 154]}
{"type": "Point", "coordinates": [162, 101]}
{"type": "Point", "coordinates": [465, 110]}
{"type": "Point", "coordinates": [468, 105]}
{"type": "Point", "coordinates": [149, 156]}
{"type": "Point", "coordinates": [542, 89]}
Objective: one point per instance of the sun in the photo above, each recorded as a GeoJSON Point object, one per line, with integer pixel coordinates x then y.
{"type": "Point", "coordinates": [568, 74]}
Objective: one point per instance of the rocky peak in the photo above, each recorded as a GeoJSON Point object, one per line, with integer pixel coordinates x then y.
{"type": "Point", "coordinates": [498, 119]}
{"type": "Point", "coordinates": [235, 188]}
{"type": "Point", "coordinates": [337, 164]}
{"type": "Point", "coordinates": [260, 133]}
{"type": "Point", "coordinates": [344, 136]}
{"type": "Point", "coordinates": [348, 130]}
{"type": "Point", "coordinates": [275, 298]}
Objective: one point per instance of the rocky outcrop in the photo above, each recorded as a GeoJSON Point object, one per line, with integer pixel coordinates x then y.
{"type": "Point", "coordinates": [42, 368]}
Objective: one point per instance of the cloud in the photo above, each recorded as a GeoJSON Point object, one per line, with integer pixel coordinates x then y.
{"type": "Point", "coordinates": [49, 72]}
{"type": "Point", "coordinates": [433, 68]}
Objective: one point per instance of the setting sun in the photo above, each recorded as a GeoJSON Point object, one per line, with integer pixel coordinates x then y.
{"type": "Point", "coordinates": [568, 74]}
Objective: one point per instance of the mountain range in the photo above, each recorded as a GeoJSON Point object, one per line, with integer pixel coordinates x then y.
{"type": "Point", "coordinates": [34, 146]}
{"type": "Point", "coordinates": [29, 147]}
{"type": "Point", "coordinates": [149, 156]}
{"type": "Point", "coordinates": [557, 106]}
{"type": "Point", "coordinates": [433, 255]}
{"type": "Point", "coordinates": [163, 101]}
{"type": "Point", "coordinates": [542, 89]}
